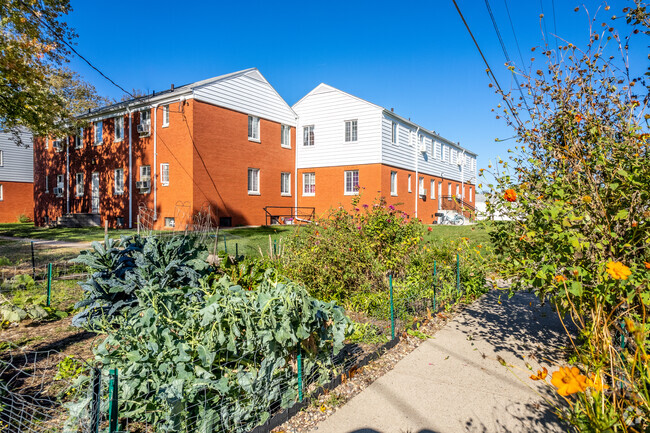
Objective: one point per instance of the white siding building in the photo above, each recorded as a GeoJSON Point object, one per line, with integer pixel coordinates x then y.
{"type": "Point", "coordinates": [16, 176]}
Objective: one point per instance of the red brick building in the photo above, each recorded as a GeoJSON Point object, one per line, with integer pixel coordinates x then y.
{"type": "Point", "coordinates": [225, 144]}
{"type": "Point", "coordinates": [16, 177]}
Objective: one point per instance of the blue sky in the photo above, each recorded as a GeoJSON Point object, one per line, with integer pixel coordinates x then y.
{"type": "Point", "coordinates": [416, 57]}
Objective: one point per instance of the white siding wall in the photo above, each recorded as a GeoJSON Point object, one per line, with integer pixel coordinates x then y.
{"type": "Point", "coordinates": [430, 163]}
{"type": "Point", "coordinates": [249, 93]}
{"type": "Point", "coordinates": [327, 109]}
{"type": "Point", "coordinates": [18, 161]}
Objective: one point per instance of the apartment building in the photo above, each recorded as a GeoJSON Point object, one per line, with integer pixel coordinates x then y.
{"type": "Point", "coordinates": [16, 176]}
{"type": "Point", "coordinates": [226, 144]}
{"type": "Point", "coordinates": [347, 143]}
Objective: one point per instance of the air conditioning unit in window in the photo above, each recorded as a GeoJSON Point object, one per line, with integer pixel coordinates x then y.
{"type": "Point", "coordinates": [56, 144]}
{"type": "Point", "coordinates": [423, 192]}
{"type": "Point", "coordinates": [423, 148]}
{"type": "Point", "coordinates": [57, 191]}
{"type": "Point", "coordinates": [143, 128]}
{"type": "Point", "coordinates": [143, 184]}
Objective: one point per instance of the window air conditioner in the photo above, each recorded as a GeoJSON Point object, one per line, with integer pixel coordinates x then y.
{"type": "Point", "coordinates": [57, 191]}
{"type": "Point", "coordinates": [423, 148]}
{"type": "Point", "coordinates": [143, 184]}
{"type": "Point", "coordinates": [56, 144]}
{"type": "Point", "coordinates": [143, 128]}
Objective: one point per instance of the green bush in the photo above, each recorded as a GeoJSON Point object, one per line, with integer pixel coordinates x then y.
{"type": "Point", "coordinates": [22, 218]}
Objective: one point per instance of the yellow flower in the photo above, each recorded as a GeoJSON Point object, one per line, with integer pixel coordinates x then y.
{"type": "Point", "coordinates": [618, 270]}
{"type": "Point", "coordinates": [541, 375]}
{"type": "Point", "coordinates": [586, 199]}
{"type": "Point", "coordinates": [595, 381]}
{"type": "Point", "coordinates": [568, 380]}
{"type": "Point", "coordinates": [560, 278]}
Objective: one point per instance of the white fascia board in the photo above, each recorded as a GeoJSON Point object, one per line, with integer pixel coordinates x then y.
{"type": "Point", "coordinates": [150, 103]}
{"type": "Point", "coordinates": [334, 89]}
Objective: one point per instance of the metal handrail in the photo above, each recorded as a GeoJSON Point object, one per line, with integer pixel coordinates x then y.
{"type": "Point", "coordinates": [284, 214]}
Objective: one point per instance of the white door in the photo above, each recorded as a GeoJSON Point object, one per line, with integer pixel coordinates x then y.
{"type": "Point", "coordinates": [95, 193]}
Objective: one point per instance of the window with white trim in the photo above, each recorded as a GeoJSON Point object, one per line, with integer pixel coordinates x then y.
{"type": "Point", "coordinates": [145, 123]}
{"type": "Point", "coordinates": [2, 192]}
{"type": "Point", "coordinates": [436, 150]}
{"type": "Point", "coordinates": [253, 181]}
{"type": "Point", "coordinates": [454, 156]}
{"type": "Point", "coordinates": [118, 181]}
{"type": "Point", "coordinates": [79, 185]}
{"type": "Point", "coordinates": [145, 176]}
{"type": "Point", "coordinates": [421, 186]}
{"type": "Point", "coordinates": [449, 191]}
{"type": "Point", "coordinates": [308, 135]}
{"type": "Point", "coordinates": [285, 184]}
{"type": "Point", "coordinates": [170, 222]}
{"type": "Point", "coordinates": [79, 139]}
{"type": "Point", "coordinates": [393, 133]}
{"type": "Point", "coordinates": [471, 194]}
{"type": "Point", "coordinates": [119, 128]}
{"type": "Point", "coordinates": [409, 185]}
{"type": "Point", "coordinates": [253, 128]}
{"type": "Point", "coordinates": [99, 133]}
{"type": "Point", "coordinates": [165, 119]}
{"type": "Point", "coordinates": [164, 174]}
{"type": "Point", "coordinates": [432, 185]}
{"type": "Point", "coordinates": [285, 137]}
{"type": "Point", "coordinates": [59, 185]}
{"type": "Point", "coordinates": [2, 158]}
{"type": "Point", "coordinates": [457, 190]}
{"type": "Point", "coordinates": [351, 182]}
{"type": "Point", "coordinates": [393, 183]}
{"type": "Point", "coordinates": [350, 131]}
{"type": "Point", "coordinates": [309, 184]}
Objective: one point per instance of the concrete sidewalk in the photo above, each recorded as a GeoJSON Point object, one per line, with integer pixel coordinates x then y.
{"type": "Point", "coordinates": [49, 243]}
{"type": "Point", "coordinates": [454, 383]}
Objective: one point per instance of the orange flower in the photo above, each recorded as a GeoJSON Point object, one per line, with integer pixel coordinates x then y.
{"type": "Point", "coordinates": [618, 270]}
{"type": "Point", "coordinates": [595, 381]}
{"type": "Point", "coordinates": [568, 380]}
{"type": "Point", "coordinates": [560, 278]}
{"type": "Point", "coordinates": [647, 265]}
{"type": "Point", "coordinates": [586, 199]}
{"type": "Point", "coordinates": [541, 375]}
{"type": "Point", "coordinates": [634, 224]}
{"type": "Point", "coordinates": [577, 118]}
{"type": "Point", "coordinates": [510, 195]}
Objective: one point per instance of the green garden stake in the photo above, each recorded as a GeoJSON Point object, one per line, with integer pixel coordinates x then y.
{"type": "Point", "coordinates": [49, 284]}
{"type": "Point", "coordinates": [299, 375]}
{"type": "Point", "coordinates": [112, 409]}
{"type": "Point", "coordinates": [392, 307]}
{"type": "Point", "coordinates": [274, 247]}
{"type": "Point", "coordinates": [435, 307]}
{"type": "Point", "coordinates": [96, 401]}
{"type": "Point", "coordinates": [33, 263]}
{"type": "Point", "coordinates": [236, 249]}
{"type": "Point", "coordinates": [458, 273]}
{"type": "Point", "coordinates": [225, 245]}
{"type": "Point", "coordinates": [623, 335]}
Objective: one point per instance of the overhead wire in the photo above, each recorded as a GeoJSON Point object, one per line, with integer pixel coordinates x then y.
{"type": "Point", "coordinates": [554, 26]}
{"type": "Point", "coordinates": [505, 51]}
{"type": "Point", "coordinates": [512, 27]}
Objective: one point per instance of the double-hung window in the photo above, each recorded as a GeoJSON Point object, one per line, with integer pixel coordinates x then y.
{"type": "Point", "coordinates": [350, 131]}
{"type": "Point", "coordinates": [165, 119]}
{"type": "Point", "coordinates": [59, 185]}
{"type": "Point", "coordinates": [2, 192]}
{"type": "Point", "coordinates": [393, 133]}
{"type": "Point", "coordinates": [79, 185]}
{"type": "Point", "coordinates": [308, 135]}
{"type": "Point", "coordinates": [393, 183]}
{"type": "Point", "coordinates": [79, 139]}
{"type": "Point", "coordinates": [253, 181]}
{"type": "Point", "coordinates": [253, 128]}
{"type": "Point", "coordinates": [421, 186]}
{"type": "Point", "coordinates": [409, 185]}
{"type": "Point", "coordinates": [164, 174]}
{"type": "Point", "coordinates": [144, 128]}
{"type": "Point", "coordinates": [309, 184]}
{"type": "Point", "coordinates": [119, 181]}
{"type": "Point", "coordinates": [432, 185]}
{"type": "Point", "coordinates": [119, 128]}
{"type": "Point", "coordinates": [285, 184]}
{"type": "Point", "coordinates": [436, 151]}
{"type": "Point", "coordinates": [351, 182]}
{"type": "Point", "coordinates": [99, 133]}
{"type": "Point", "coordinates": [145, 179]}
{"type": "Point", "coordinates": [285, 138]}
{"type": "Point", "coordinates": [2, 158]}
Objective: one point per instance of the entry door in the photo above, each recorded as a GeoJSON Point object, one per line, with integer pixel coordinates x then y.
{"type": "Point", "coordinates": [95, 193]}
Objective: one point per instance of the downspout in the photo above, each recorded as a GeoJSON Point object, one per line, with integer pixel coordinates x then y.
{"type": "Point", "coordinates": [67, 176]}
{"type": "Point", "coordinates": [130, 169]}
{"type": "Point", "coordinates": [295, 179]}
{"type": "Point", "coordinates": [155, 162]}
{"type": "Point", "coordinates": [417, 173]}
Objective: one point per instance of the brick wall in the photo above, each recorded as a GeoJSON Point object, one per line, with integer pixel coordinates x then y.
{"type": "Point", "coordinates": [17, 199]}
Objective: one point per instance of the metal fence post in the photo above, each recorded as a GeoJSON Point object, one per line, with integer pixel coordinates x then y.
{"type": "Point", "coordinates": [225, 245]}
{"type": "Point", "coordinates": [49, 284]}
{"type": "Point", "coordinates": [299, 374]}
{"type": "Point", "coordinates": [392, 307]}
{"type": "Point", "coordinates": [33, 262]}
{"type": "Point", "coordinates": [458, 273]}
{"type": "Point", "coordinates": [236, 249]}
{"type": "Point", "coordinates": [112, 409]}
{"type": "Point", "coordinates": [435, 276]}
{"type": "Point", "coordinates": [96, 401]}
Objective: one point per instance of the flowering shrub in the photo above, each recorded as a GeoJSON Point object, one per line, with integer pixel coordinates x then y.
{"type": "Point", "coordinates": [577, 192]}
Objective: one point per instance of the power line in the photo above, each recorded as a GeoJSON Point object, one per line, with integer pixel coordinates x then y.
{"type": "Point", "coordinates": [487, 65]}
{"type": "Point", "coordinates": [56, 35]}
{"type": "Point", "coordinates": [554, 26]}
{"type": "Point", "coordinates": [512, 27]}
{"type": "Point", "coordinates": [541, 5]}
{"type": "Point", "coordinates": [505, 51]}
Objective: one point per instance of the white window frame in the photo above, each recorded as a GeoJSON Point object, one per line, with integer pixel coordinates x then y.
{"type": "Point", "coordinates": [354, 189]}
{"type": "Point", "coordinates": [255, 190]}
{"type": "Point", "coordinates": [432, 185]}
{"type": "Point", "coordinates": [285, 136]}
{"type": "Point", "coordinates": [60, 183]}
{"type": "Point", "coordinates": [79, 185]}
{"type": "Point", "coordinates": [142, 176]}
{"type": "Point", "coordinates": [449, 191]}
{"type": "Point", "coordinates": [98, 129]}
{"type": "Point", "coordinates": [420, 185]}
{"type": "Point", "coordinates": [165, 116]}
{"type": "Point", "coordinates": [457, 190]}
{"type": "Point", "coordinates": [2, 192]}
{"type": "Point", "coordinates": [394, 137]}
{"type": "Point", "coordinates": [409, 184]}
{"type": "Point", "coordinates": [118, 122]}
{"type": "Point", "coordinates": [351, 131]}
{"type": "Point", "coordinates": [2, 158]}
{"type": "Point", "coordinates": [145, 119]}
{"type": "Point", "coordinates": [164, 174]}
{"type": "Point", "coordinates": [436, 150]}
{"type": "Point", "coordinates": [445, 152]}
{"type": "Point", "coordinates": [253, 128]}
{"type": "Point", "coordinates": [311, 177]}
{"type": "Point", "coordinates": [285, 184]}
{"type": "Point", "coordinates": [393, 183]}
{"type": "Point", "coordinates": [79, 139]}
{"type": "Point", "coordinates": [169, 220]}
{"type": "Point", "coordinates": [308, 137]}
{"type": "Point", "coordinates": [118, 186]}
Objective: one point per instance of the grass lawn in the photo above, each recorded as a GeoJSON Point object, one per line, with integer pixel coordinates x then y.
{"type": "Point", "coordinates": [477, 233]}
{"type": "Point", "coordinates": [85, 234]}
